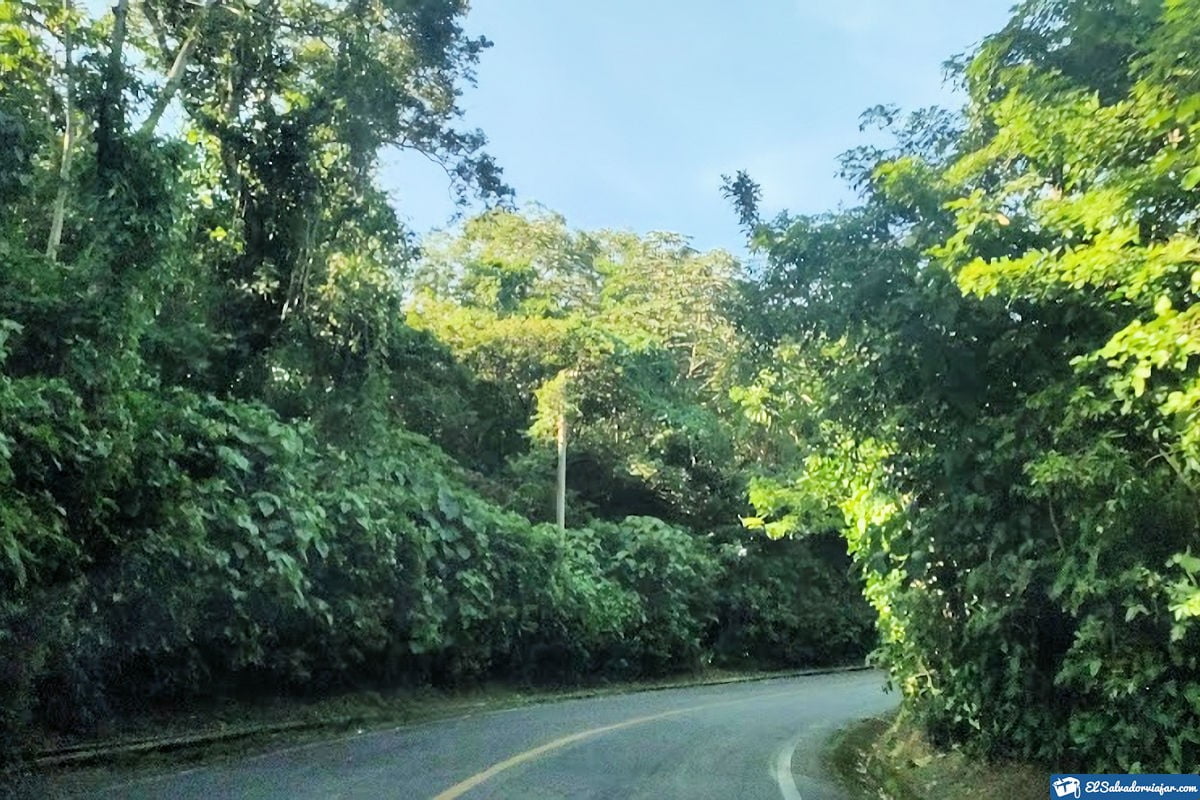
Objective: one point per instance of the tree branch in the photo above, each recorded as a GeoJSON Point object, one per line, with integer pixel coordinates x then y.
{"type": "Point", "coordinates": [175, 75]}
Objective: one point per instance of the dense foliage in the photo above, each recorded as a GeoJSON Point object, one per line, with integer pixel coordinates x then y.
{"type": "Point", "coordinates": [253, 439]}
{"type": "Point", "coordinates": [991, 367]}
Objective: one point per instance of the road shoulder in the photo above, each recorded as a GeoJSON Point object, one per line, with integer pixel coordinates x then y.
{"type": "Point", "coordinates": [887, 758]}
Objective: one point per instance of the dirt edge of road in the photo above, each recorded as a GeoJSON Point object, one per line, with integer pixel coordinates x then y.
{"type": "Point", "coordinates": [888, 758]}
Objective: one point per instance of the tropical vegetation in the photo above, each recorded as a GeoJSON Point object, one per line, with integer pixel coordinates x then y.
{"type": "Point", "coordinates": [257, 437]}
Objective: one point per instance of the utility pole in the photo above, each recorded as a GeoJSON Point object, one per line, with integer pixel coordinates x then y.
{"type": "Point", "coordinates": [561, 494]}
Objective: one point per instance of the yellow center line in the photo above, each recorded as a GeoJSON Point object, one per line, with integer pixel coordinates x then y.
{"type": "Point", "coordinates": [462, 787]}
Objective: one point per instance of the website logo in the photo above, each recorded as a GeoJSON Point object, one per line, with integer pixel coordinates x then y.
{"type": "Point", "coordinates": [1128, 787]}
{"type": "Point", "coordinates": [1066, 787]}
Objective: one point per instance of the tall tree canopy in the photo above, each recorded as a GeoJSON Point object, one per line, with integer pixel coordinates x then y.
{"type": "Point", "coordinates": [998, 356]}
{"type": "Point", "coordinates": [630, 337]}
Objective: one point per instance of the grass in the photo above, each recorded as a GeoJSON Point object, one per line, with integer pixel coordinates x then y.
{"type": "Point", "coordinates": [887, 758]}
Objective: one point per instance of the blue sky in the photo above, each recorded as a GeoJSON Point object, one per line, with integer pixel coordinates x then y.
{"type": "Point", "coordinates": [624, 114]}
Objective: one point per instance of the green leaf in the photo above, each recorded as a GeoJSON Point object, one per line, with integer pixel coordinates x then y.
{"type": "Point", "coordinates": [1191, 179]}
{"type": "Point", "coordinates": [1189, 562]}
{"type": "Point", "coordinates": [1133, 611]}
{"type": "Point", "coordinates": [233, 457]}
{"type": "Point", "coordinates": [448, 504]}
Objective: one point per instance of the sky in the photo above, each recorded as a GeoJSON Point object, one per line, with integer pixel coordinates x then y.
{"type": "Point", "coordinates": [624, 114]}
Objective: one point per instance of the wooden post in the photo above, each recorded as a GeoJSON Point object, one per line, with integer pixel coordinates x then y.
{"type": "Point", "coordinates": [561, 506]}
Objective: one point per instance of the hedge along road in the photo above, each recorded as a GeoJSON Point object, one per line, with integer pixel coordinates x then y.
{"type": "Point", "coordinates": [747, 740]}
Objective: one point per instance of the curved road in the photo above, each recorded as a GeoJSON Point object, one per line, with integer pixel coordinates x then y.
{"type": "Point", "coordinates": [745, 741]}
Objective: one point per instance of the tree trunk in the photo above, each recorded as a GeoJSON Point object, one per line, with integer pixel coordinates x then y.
{"type": "Point", "coordinates": [64, 169]}
{"type": "Point", "coordinates": [109, 117]}
{"type": "Point", "coordinates": [175, 75]}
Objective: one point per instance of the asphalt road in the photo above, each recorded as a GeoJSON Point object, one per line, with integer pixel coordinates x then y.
{"type": "Point", "coordinates": [733, 742]}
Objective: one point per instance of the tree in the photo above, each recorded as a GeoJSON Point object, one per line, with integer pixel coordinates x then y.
{"type": "Point", "coordinates": [989, 384]}
{"type": "Point", "coordinates": [639, 324]}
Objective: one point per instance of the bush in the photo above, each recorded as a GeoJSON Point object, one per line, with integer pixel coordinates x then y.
{"type": "Point", "coordinates": [791, 602]}
{"type": "Point", "coordinates": [159, 543]}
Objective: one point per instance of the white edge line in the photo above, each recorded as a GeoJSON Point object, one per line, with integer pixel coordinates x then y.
{"type": "Point", "coordinates": [781, 769]}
